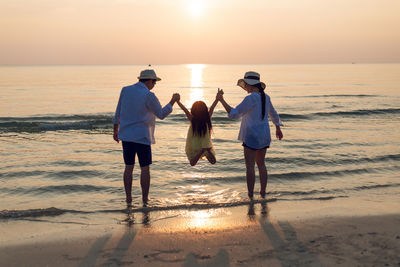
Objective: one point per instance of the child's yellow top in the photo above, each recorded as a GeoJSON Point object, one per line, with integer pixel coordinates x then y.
{"type": "Point", "coordinates": [195, 143]}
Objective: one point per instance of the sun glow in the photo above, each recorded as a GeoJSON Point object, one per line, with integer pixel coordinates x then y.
{"type": "Point", "coordinates": [200, 218]}
{"type": "Point", "coordinates": [196, 7]}
{"type": "Point", "coordinates": [196, 82]}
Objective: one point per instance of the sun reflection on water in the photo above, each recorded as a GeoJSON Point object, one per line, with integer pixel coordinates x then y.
{"type": "Point", "coordinates": [200, 218]}
{"type": "Point", "coordinates": [196, 83]}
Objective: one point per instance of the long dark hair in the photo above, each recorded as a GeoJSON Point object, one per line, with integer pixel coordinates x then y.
{"type": "Point", "coordinates": [261, 90]}
{"type": "Point", "coordinates": [201, 118]}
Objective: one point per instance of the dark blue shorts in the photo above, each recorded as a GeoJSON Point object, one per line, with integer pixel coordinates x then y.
{"type": "Point", "coordinates": [254, 148]}
{"type": "Point", "coordinates": [131, 149]}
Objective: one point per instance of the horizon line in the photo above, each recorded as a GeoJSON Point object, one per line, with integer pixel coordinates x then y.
{"type": "Point", "coordinates": [168, 64]}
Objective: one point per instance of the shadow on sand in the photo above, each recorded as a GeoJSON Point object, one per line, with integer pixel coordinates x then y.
{"type": "Point", "coordinates": [290, 251]}
{"type": "Point", "coordinates": [115, 258]}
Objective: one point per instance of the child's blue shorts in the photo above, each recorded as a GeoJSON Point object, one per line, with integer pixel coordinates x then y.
{"type": "Point", "coordinates": [143, 151]}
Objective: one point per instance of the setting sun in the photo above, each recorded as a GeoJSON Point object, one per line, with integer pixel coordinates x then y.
{"type": "Point", "coordinates": [196, 7]}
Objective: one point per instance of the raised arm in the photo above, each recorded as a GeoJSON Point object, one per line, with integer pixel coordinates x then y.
{"type": "Point", "coordinates": [188, 114]}
{"type": "Point", "coordinates": [220, 98]}
{"type": "Point", "coordinates": [155, 107]}
{"type": "Point", "coordinates": [211, 110]}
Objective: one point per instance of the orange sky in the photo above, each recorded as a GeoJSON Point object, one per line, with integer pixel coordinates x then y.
{"type": "Point", "coordinates": [198, 31]}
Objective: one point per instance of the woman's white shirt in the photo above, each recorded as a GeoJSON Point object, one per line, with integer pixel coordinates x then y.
{"type": "Point", "coordinates": [254, 131]}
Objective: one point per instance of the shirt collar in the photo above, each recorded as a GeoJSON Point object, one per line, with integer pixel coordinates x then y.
{"type": "Point", "coordinates": [142, 85]}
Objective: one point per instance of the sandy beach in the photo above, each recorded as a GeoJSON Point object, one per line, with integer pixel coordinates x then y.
{"type": "Point", "coordinates": [308, 233]}
{"type": "Point", "coordinates": [306, 92]}
{"type": "Point", "coordinates": [333, 186]}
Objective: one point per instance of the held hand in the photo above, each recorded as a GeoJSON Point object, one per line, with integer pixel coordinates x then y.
{"type": "Point", "coordinates": [175, 97]}
{"type": "Point", "coordinates": [220, 94]}
{"type": "Point", "coordinates": [279, 133]}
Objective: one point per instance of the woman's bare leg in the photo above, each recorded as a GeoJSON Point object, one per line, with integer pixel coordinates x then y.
{"type": "Point", "coordinates": [249, 157]}
{"type": "Point", "coordinates": [262, 170]}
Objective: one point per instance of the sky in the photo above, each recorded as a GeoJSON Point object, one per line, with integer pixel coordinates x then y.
{"type": "Point", "coordinates": [199, 31]}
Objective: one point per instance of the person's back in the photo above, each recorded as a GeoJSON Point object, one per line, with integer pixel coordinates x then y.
{"type": "Point", "coordinates": [254, 130]}
{"type": "Point", "coordinates": [134, 122]}
{"type": "Point", "coordinates": [135, 117]}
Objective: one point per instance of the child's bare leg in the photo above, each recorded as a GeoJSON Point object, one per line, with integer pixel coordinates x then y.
{"type": "Point", "coordinates": [210, 156]}
{"type": "Point", "coordinates": [195, 159]}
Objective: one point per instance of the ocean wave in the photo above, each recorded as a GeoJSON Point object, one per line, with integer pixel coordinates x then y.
{"type": "Point", "coordinates": [335, 96]}
{"type": "Point", "coordinates": [56, 175]}
{"type": "Point", "coordinates": [302, 161]}
{"type": "Point", "coordinates": [350, 113]}
{"type": "Point", "coordinates": [359, 112]}
{"type": "Point", "coordinates": [325, 174]}
{"type": "Point", "coordinates": [58, 189]}
{"type": "Point", "coordinates": [228, 164]}
{"type": "Point", "coordinates": [317, 198]}
{"type": "Point", "coordinates": [219, 117]}
{"type": "Point", "coordinates": [103, 121]}
{"type": "Point", "coordinates": [272, 196]}
{"type": "Point", "coordinates": [56, 123]}
{"type": "Point", "coordinates": [337, 192]}
{"type": "Point", "coordinates": [52, 211]}
{"type": "Point", "coordinates": [285, 176]}
{"type": "Point", "coordinates": [16, 214]}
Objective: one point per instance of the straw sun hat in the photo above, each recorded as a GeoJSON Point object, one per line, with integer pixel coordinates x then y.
{"type": "Point", "coordinates": [149, 74]}
{"type": "Point", "coordinates": [251, 78]}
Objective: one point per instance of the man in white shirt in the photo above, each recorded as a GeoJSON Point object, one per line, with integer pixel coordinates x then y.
{"type": "Point", "coordinates": [134, 123]}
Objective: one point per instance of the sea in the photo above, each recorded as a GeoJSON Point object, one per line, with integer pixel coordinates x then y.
{"type": "Point", "coordinates": [58, 158]}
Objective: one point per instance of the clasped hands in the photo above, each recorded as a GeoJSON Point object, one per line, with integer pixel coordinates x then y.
{"type": "Point", "coordinates": [220, 95]}
{"type": "Point", "coordinates": [175, 98]}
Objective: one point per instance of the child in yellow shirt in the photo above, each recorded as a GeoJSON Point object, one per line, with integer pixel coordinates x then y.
{"type": "Point", "coordinates": [198, 141]}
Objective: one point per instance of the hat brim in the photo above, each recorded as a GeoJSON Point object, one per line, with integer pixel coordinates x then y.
{"type": "Point", "coordinates": [150, 78]}
{"type": "Point", "coordinates": [242, 83]}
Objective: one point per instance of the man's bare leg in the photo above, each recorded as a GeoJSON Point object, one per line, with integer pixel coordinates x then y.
{"type": "Point", "coordinates": [145, 182]}
{"type": "Point", "coordinates": [128, 182]}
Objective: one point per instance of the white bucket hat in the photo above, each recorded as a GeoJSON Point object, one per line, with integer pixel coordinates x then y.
{"type": "Point", "coordinates": [149, 74]}
{"type": "Point", "coordinates": [251, 78]}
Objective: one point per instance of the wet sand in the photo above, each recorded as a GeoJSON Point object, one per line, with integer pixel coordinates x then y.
{"type": "Point", "coordinates": [328, 233]}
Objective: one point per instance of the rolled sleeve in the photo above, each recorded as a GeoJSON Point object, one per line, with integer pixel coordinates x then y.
{"type": "Point", "coordinates": [155, 107]}
{"type": "Point", "coordinates": [242, 108]}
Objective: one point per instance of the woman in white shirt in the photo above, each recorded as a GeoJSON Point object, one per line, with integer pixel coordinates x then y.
{"type": "Point", "coordinates": [254, 129]}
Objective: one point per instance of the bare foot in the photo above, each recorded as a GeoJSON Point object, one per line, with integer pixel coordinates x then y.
{"type": "Point", "coordinates": [145, 202]}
